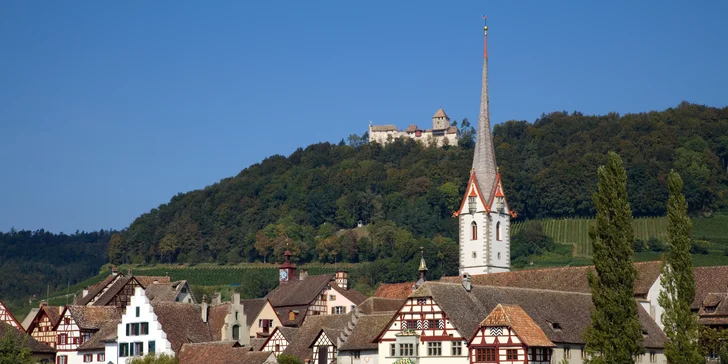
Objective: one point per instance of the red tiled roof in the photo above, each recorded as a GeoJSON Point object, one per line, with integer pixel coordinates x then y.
{"type": "Point", "coordinates": [516, 318]}
{"type": "Point", "coordinates": [394, 290]}
{"type": "Point", "coordinates": [709, 280]}
{"type": "Point", "coordinates": [223, 352]}
{"type": "Point", "coordinates": [182, 322]}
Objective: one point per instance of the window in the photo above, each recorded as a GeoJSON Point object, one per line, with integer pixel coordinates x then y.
{"type": "Point", "coordinates": [583, 353]}
{"type": "Point", "coordinates": [137, 312]}
{"type": "Point", "coordinates": [406, 349]}
{"type": "Point", "coordinates": [152, 346]}
{"type": "Point", "coordinates": [138, 349]}
{"type": "Point", "coordinates": [421, 301]}
{"type": "Point", "coordinates": [123, 350]}
{"type": "Point", "coordinates": [145, 328]}
{"type": "Point", "coordinates": [485, 355]}
{"type": "Point", "coordinates": [434, 348]}
{"type": "Point", "coordinates": [62, 339]}
{"type": "Point", "coordinates": [291, 316]}
{"type": "Point", "coordinates": [475, 255]}
{"type": "Point", "coordinates": [567, 352]}
{"type": "Point", "coordinates": [184, 290]}
{"type": "Point", "coordinates": [278, 348]}
{"type": "Point", "coordinates": [473, 231]}
{"type": "Point", "coordinates": [639, 358]}
{"type": "Point", "coordinates": [511, 354]}
{"type": "Point", "coordinates": [540, 354]}
{"type": "Point", "coordinates": [457, 348]}
{"type": "Point", "coordinates": [332, 297]}
{"type": "Point", "coordinates": [357, 354]}
{"type": "Point", "coordinates": [100, 357]}
{"type": "Point", "coordinates": [236, 316]}
{"type": "Point", "coordinates": [653, 357]}
{"type": "Point", "coordinates": [338, 310]}
{"type": "Point", "coordinates": [62, 359]}
{"type": "Point", "coordinates": [269, 323]}
{"type": "Point", "coordinates": [497, 231]}
{"type": "Point", "coordinates": [87, 358]}
{"type": "Point", "coordinates": [499, 255]}
{"type": "Point", "coordinates": [236, 332]}
{"type": "Point", "coordinates": [85, 336]}
{"type": "Point", "coordinates": [391, 350]}
{"type": "Point", "coordinates": [137, 329]}
{"type": "Point", "coordinates": [556, 326]}
{"type": "Point", "coordinates": [67, 320]}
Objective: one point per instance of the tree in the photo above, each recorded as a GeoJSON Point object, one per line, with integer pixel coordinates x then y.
{"type": "Point", "coordinates": [155, 359]}
{"type": "Point", "coordinates": [678, 283]}
{"type": "Point", "coordinates": [12, 347]}
{"type": "Point", "coordinates": [614, 336]}
{"type": "Point", "coordinates": [288, 359]}
{"type": "Point", "coordinates": [531, 240]}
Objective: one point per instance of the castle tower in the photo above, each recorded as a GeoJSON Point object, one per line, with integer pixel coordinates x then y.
{"type": "Point", "coordinates": [440, 120]}
{"type": "Point", "coordinates": [484, 217]}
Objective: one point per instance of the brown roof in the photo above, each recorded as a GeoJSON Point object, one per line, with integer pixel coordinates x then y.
{"type": "Point", "coordinates": [222, 352]}
{"type": "Point", "coordinates": [300, 311]}
{"type": "Point", "coordinates": [714, 310]}
{"type": "Point", "coordinates": [394, 290]}
{"type": "Point", "coordinates": [216, 319]}
{"type": "Point", "coordinates": [113, 290]}
{"type": "Point", "coordinates": [412, 128]}
{"type": "Point", "coordinates": [168, 291]}
{"type": "Point", "coordinates": [384, 128]}
{"type": "Point", "coordinates": [257, 343]}
{"type": "Point", "coordinates": [364, 334]}
{"type": "Point", "coordinates": [96, 289]}
{"type": "Point", "coordinates": [452, 130]}
{"type": "Point", "coordinates": [567, 279]}
{"type": "Point", "coordinates": [514, 317]}
{"type": "Point", "coordinates": [107, 332]}
{"type": "Point", "coordinates": [709, 280]}
{"type": "Point", "coordinates": [440, 113]}
{"type": "Point", "coordinates": [299, 292]}
{"type": "Point", "coordinates": [351, 294]}
{"type": "Point", "coordinates": [93, 317]}
{"type": "Point", "coordinates": [300, 346]}
{"type": "Point", "coordinates": [379, 304]}
{"type": "Point", "coordinates": [149, 280]}
{"type": "Point", "coordinates": [182, 322]}
{"type": "Point", "coordinates": [53, 313]}
{"type": "Point", "coordinates": [34, 345]}
{"type": "Point", "coordinates": [569, 309]}
{"type": "Point", "coordinates": [252, 308]}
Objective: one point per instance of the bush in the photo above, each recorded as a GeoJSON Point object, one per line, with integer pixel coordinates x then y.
{"type": "Point", "coordinates": [640, 246]}
{"type": "Point", "coordinates": [288, 359]}
{"type": "Point", "coordinates": [656, 245]}
{"type": "Point", "coordinates": [530, 240]}
{"type": "Point", "coordinates": [699, 247]}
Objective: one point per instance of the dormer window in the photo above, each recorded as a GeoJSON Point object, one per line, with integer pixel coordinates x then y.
{"type": "Point", "coordinates": [556, 326]}
{"type": "Point", "coordinates": [709, 309]}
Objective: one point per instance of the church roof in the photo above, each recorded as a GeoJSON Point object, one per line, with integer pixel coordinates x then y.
{"type": "Point", "coordinates": [484, 157]}
{"type": "Point", "coordinates": [517, 319]}
{"type": "Point", "coordinates": [566, 279]}
{"type": "Point", "coordinates": [440, 113]}
{"type": "Point", "coordinates": [571, 311]}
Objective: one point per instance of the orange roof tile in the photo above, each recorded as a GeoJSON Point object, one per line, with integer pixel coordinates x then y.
{"type": "Point", "coordinates": [516, 318]}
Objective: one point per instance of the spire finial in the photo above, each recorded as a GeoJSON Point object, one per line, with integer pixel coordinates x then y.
{"type": "Point", "coordinates": [423, 266]}
{"type": "Point", "coordinates": [485, 37]}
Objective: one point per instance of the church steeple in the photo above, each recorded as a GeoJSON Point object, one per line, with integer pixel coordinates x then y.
{"type": "Point", "coordinates": [422, 269]}
{"type": "Point", "coordinates": [484, 159]}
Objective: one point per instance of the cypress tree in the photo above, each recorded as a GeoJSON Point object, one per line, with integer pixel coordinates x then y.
{"type": "Point", "coordinates": [678, 283]}
{"type": "Point", "coordinates": [615, 335]}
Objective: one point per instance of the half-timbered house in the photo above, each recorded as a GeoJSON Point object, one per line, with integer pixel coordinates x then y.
{"type": "Point", "coordinates": [318, 338]}
{"type": "Point", "coordinates": [7, 317]}
{"type": "Point", "coordinates": [438, 319]}
{"type": "Point", "coordinates": [509, 335]}
{"type": "Point", "coordinates": [279, 339]}
{"type": "Point", "coordinates": [41, 352]}
{"type": "Point", "coordinates": [116, 294]}
{"type": "Point", "coordinates": [298, 297]}
{"type": "Point", "coordinates": [42, 326]}
{"type": "Point", "coordinates": [76, 326]}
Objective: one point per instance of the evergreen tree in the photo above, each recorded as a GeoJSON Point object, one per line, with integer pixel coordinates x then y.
{"type": "Point", "coordinates": [614, 336]}
{"type": "Point", "coordinates": [13, 349]}
{"type": "Point", "coordinates": [678, 282]}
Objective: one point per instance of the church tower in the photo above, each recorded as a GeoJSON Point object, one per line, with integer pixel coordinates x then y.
{"type": "Point", "coordinates": [484, 217]}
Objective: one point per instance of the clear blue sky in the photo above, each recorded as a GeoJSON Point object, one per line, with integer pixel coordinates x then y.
{"type": "Point", "coordinates": [108, 109]}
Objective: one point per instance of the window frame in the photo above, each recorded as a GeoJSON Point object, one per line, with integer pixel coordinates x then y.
{"type": "Point", "coordinates": [434, 348]}
{"type": "Point", "coordinates": [486, 354]}
{"type": "Point", "coordinates": [511, 354]}
{"type": "Point", "coordinates": [473, 230]}
{"type": "Point", "coordinates": [456, 349]}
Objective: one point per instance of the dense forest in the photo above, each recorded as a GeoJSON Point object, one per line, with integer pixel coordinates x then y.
{"type": "Point", "coordinates": [34, 262]}
{"type": "Point", "coordinates": [406, 192]}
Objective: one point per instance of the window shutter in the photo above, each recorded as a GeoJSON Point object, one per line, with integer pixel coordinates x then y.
{"type": "Point", "coordinates": [127, 329]}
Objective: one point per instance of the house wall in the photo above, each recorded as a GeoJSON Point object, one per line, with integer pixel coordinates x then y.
{"type": "Point", "coordinates": [236, 316]}
{"type": "Point", "coordinates": [365, 357]}
{"type": "Point", "coordinates": [339, 300]}
{"type": "Point", "coordinates": [68, 338]}
{"type": "Point", "coordinates": [266, 313]}
{"type": "Point", "coordinates": [323, 342]}
{"type": "Point", "coordinates": [146, 314]}
{"type": "Point", "coordinates": [94, 356]}
{"type": "Point", "coordinates": [575, 355]}
{"type": "Point", "coordinates": [43, 330]}
{"type": "Point", "coordinates": [653, 307]}
{"type": "Point", "coordinates": [276, 344]}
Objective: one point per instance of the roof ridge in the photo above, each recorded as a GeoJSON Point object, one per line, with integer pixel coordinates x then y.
{"type": "Point", "coordinates": [513, 288]}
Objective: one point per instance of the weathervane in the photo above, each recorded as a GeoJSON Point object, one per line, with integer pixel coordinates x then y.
{"type": "Point", "coordinates": [485, 25]}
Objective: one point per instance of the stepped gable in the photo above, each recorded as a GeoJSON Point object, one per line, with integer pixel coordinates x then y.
{"type": "Point", "coordinates": [395, 290]}
{"type": "Point", "coordinates": [92, 317]}
{"type": "Point", "coordinates": [34, 345]}
{"type": "Point", "coordinates": [516, 318]}
{"type": "Point", "coordinates": [222, 352]}
{"type": "Point", "coordinates": [708, 280]}
{"type": "Point", "coordinates": [216, 319]}
{"type": "Point", "coordinates": [374, 305]}
{"type": "Point", "coordinates": [299, 292]}
{"type": "Point", "coordinates": [567, 279]}
{"type": "Point", "coordinates": [300, 346]}
{"type": "Point", "coordinates": [107, 332]}
{"type": "Point", "coordinates": [572, 311]}
{"type": "Point", "coordinates": [364, 334]}
{"type": "Point", "coordinates": [182, 322]}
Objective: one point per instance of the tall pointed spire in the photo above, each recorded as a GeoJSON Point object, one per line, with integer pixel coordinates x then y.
{"type": "Point", "coordinates": [484, 158]}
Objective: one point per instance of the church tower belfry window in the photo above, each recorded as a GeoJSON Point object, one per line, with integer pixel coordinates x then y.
{"type": "Point", "coordinates": [498, 231]}
{"type": "Point", "coordinates": [473, 231]}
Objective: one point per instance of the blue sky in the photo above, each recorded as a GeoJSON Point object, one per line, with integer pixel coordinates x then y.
{"type": "Point", "coordinates": [108, 109]}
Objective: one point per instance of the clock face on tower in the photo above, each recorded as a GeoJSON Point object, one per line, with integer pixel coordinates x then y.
{"type": "Point", "coordinates": [284, 274]}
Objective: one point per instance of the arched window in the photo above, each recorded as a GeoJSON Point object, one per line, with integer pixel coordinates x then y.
{"type": "Point", "coordinates": [497, 231]}
{"type": "Point", "coordinates": [291, 316]}
{"type": "Point", "coordinates": [236, 332]}
{"type": "Point", "coordinates": [474, 231]}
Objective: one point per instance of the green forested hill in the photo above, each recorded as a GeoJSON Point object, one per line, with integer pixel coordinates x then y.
{"type": "Point", "coordinates": [409, 192]}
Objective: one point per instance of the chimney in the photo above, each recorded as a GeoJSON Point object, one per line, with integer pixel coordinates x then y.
{"type": "Point", "coordinates": [342, 279]}
{"type": "Point", "coordinates": [217, 298]}
{"type": "Point", "coordinates": [60, 310]}
{"type": "Point", "coordinates": [114, 270]}
{"type": "Point", "coordinates": [236, 299]}
{"type": "Point", "coordinates": [467, 282]}
{"type": "Point", "coordinates": [43, 303]}
{"type": "Point", "coordinates": [204, 308]}
{"type": "Point", "coordinates": [303, 274]}
{"type": "Point", "coordinates": [128, 272]}
{"type": "Point", "coordinates": [155, 281]}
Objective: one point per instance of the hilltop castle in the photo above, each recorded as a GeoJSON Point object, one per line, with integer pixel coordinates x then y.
{"type": "Point", "coordinates": [441, 133]}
